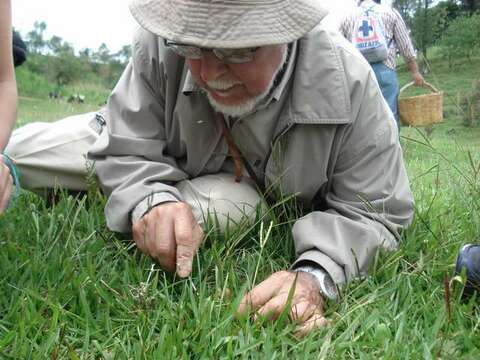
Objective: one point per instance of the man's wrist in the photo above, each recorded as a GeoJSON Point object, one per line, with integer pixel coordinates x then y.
{"type": "Point", "coordinates": [324, 280]}
{"type": "Point", "coordinates": [150, 202]}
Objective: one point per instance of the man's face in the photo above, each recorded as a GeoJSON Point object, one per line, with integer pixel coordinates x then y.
{"type": "Point", "coordinates": [236, 88]}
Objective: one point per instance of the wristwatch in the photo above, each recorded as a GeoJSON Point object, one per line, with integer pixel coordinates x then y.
{"type": "Point", "coordinates": [324, 280]}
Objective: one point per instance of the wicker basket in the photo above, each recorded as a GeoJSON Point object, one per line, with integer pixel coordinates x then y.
{"type": "Point", "coordinates": [421, 110]}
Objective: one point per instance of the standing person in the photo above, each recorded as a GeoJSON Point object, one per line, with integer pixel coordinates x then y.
{"type": "Point", "coordinates": [8, 102]}
{"type": "Point", "coordinates": [220, 102]}
{"type": "Point", "coordinates": [390, 25]}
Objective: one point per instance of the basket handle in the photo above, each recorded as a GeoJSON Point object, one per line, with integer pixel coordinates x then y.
{"type": "Point", "coordinates": [426, 84]}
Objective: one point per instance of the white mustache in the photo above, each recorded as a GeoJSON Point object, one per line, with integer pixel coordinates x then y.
{"type": "Point", "coordinates": [222, 84]}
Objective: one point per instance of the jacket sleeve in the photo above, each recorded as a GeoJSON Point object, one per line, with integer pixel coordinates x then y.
{"type": "Point", "coordinates": [368, 201]}
{"type": "Point", "coordinates": [130, 156]}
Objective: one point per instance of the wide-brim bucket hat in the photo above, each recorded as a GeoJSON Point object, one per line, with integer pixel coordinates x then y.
{"type": "Point", "coordinates": [228, 23]}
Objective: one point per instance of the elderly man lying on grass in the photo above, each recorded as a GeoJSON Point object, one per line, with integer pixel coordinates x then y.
{"type": "Point", "coordinates": [223, 99]}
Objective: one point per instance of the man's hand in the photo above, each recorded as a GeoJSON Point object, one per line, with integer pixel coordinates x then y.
{"type": "Point", "coordinates": [271, 296]}
{"type": "Point", "coordinates": [6, 185]}
{"type": "Point", "coordinates": [416, 76]}
{"type": "Point", "coordinates": [418, 79]}
{"type": "Point", "coordinates": [169, 234]}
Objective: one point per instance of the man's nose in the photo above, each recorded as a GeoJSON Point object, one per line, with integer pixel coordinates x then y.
{"type": "Point", "coordinates": [211, 67]}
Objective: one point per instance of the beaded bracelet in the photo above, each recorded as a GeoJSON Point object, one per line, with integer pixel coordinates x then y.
{"type": "Point", "coordinates": [14, 172]}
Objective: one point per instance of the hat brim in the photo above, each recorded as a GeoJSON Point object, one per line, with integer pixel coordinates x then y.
{"type": "Point", "coordinates": [228, 23]}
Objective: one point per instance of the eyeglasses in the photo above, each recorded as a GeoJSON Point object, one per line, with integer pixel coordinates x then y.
{"type": "Point", "coordinates": [232, 56]}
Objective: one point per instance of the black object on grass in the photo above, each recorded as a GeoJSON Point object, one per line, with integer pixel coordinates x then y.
{"type": "Point", "coordinates": [19, 49]}
{"type": "Point", "coordinates": [469, 259]}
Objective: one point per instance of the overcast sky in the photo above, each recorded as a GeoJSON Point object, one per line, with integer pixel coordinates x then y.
{"type": "Point", "coordinates": [89, 23]}
{"type": "Point", "coordinates": [85, 23]}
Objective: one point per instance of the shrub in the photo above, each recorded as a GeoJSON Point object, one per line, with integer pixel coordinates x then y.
{"type": "Point", "coordinates": [32, 84]}
{"type": "Point", "coordinates": [470, 105]}
{"type": "Point", "coordinates": [462, 38]}
{"type": "Point", "coordinates": [39, 85]}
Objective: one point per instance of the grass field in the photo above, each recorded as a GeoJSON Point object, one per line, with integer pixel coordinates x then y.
{"type": "Point", "coordinates": [70, 289]}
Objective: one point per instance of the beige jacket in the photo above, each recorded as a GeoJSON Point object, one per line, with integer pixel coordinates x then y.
{"type": "Point", "coordinates": [334, 144]}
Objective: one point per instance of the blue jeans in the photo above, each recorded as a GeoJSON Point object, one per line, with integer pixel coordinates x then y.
{"type": "Point", "coordinates": [387, 79]}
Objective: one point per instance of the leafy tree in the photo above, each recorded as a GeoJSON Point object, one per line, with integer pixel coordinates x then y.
{"type": "Point", "coordinates": [406, 8]}
{"type": "Point", "coordinates": [56, 59]}
{"type": "Point", "coordinates": [470, 104]}
{"type": "Point", "coordinates": [470, 6]}
{"type": "Point", "coordinates": [452, 10]}
{"type": "Point", "coordinates": [108, 66]}
{"type": "Point", "coordinates": [462, 38]}
{"type": "Point", "coordinates": [61, 65]}
{"type": "Point", "coordinates": [64, 68]}
{"type": "Point", "coordinates": [427, 25]}
{"type": "Point", "coordinates": [426, 21]}
{"type": "Point", "coordinates": [123, 55]}
{"type": "Point", "coordinates": [85, 57]}
{"type": "Point", "coordinates": [34, 39]}
{"type": "Point", "coordinates": [58, 46]}
{"type": "Point", "coordinates": [102, 55]}
{"type": "Point", "coordinates": [86, 53]}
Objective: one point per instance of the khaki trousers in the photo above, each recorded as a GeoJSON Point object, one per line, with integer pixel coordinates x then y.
{"type": "Point", "coordinates": [50, 155]}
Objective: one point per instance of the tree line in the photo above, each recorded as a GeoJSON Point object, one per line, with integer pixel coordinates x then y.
{"type": "Point", "coordinates": [56, 59]}
{"type": "Point", "coordinates": [453, 25]}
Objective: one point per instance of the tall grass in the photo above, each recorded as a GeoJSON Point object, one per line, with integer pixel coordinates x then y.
{"type": "Point", "coordinates": [73, 289]}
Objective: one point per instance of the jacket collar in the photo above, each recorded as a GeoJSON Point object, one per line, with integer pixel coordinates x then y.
{"type": "Point", "coordinates": [189, 85]}
{"type": "Point", "coordinates": [320, 92]}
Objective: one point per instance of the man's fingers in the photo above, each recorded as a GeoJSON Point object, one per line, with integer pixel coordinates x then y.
{"type": "Point", "coordinates": [170, 235]}
{"type": "Point", "coordinates": [273, 308]}
{"type": "Point", "coordinates": [186, 253]}
{"type": "Point", "coordinates": [262, 293]}
{"type": "Point", "coordinates": [315, 322]}
{"type": "Point", "coordinates": [184, 260]}
{"type": "Point", "coordinates": [298, 311]}
{"type": "Point", "coordinates": [139, 233]}
{"type": "Point", "coordinates": [418, 80]}
{"type": "Point", "coordinates": [188, 237]}
{"type": "Point", "coordinates": [302, 311]}
{"type": "Point", "coordinates": [153, 236]}
{"type": "Point", "coordinates": [163, 247]}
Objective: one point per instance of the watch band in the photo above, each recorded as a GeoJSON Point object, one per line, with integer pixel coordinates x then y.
{"type": "Point", "coordinates": [14, 173]}
{"type": "Point", "coordinates": [325, 281]}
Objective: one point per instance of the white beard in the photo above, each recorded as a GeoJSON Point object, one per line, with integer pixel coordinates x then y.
{"type": "Point", "coordinates": [248, 105]}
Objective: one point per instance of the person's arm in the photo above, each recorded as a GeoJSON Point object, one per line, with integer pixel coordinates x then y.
{"type": "Point", "coordinates": [369, 202]}
{"type": "Point", "coordinates": [368, 205]}
{"type": "Point", "coordinates": [416, 76]}
{"type": "Point", "coordinates": [8, 86]}
{"type": "Point", "coordinates": [135, 169]}
{"type": "Point", "coordinates": [404, 44]}
{"type": "Point", "coordinates": [8, 101]}
{"type": "Point", "coordinates": [131, 159]}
